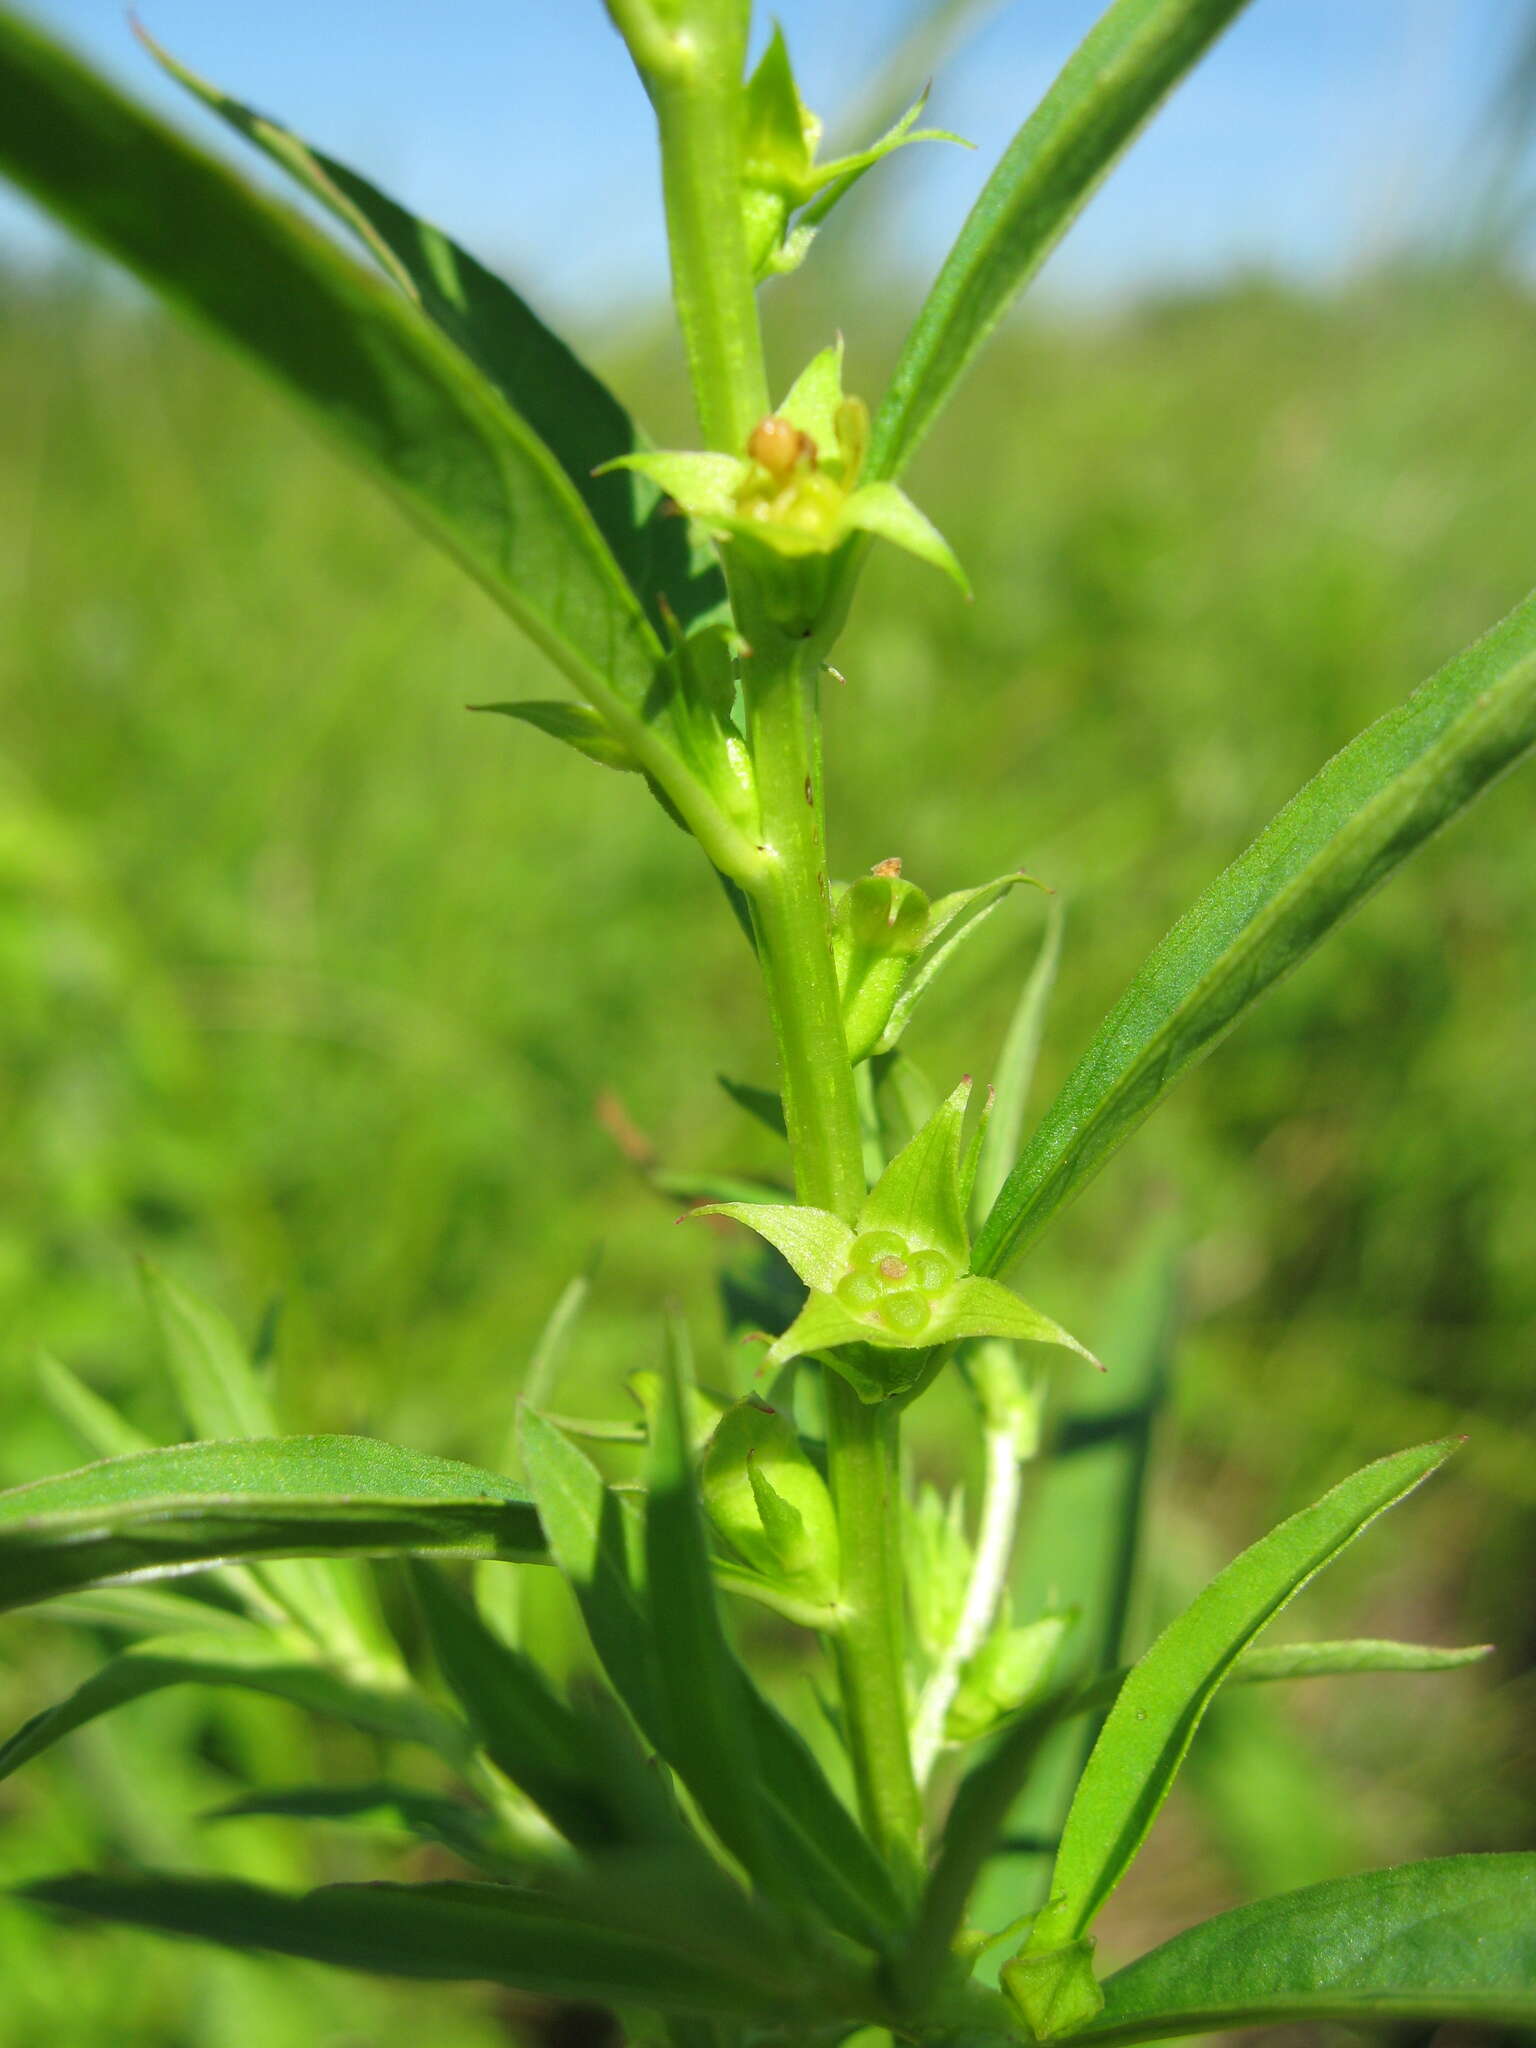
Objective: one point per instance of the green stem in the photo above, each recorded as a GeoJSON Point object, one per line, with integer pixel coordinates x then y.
{"type": "Point", "coordinates": [691, 55]}
{"type": "Point", "coordinates": [692, 69]}
{"type": "Point", "coordinates": [792, 918]}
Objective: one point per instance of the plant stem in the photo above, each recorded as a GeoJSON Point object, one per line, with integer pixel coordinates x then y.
{"type": "Point", "coordinates": [792, 917]}
{"type": "Point", "coordinates": [692, 70]}
{"type": "Point", "coordinates": [691, 55]}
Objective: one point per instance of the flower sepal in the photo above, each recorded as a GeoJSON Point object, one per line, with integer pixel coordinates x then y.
{"type": "Point", "coordinates": [886, 1293]}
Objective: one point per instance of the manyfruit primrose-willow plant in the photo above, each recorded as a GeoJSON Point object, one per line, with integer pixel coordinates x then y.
{"type": "Point", "coordinates": [667, 1842]}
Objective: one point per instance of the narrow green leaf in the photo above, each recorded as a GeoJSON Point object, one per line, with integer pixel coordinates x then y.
{"type": "Point", "coordinates": [816, 1838]}
{"type": "Point", "coordinates": [531, 1941]}
{"type": "Point", "coordinates": [1080, 1541]}
{"type": "Point", "coordinates": [254, 1660]}
{"type": "Point", "coordinates": [99, 1427]}
{"type": "Point", "coordinates": [394, 390]}
{"type": "Point", "coordinates": [1160, 1705]}
{"type": "Point", "coordinates": [1016, 1065]}
{"type": "Point", "coordinates": [576, 725]}
{"type": "Point", "coordinates": [1350, 1658]}
{"type": "Point", "coordinates": [814, 1833]}
{"type": "Point", "coordinates": [580, 1517]}
{"type": "Point", "coordinates": [147, 1610]}
{"type": "Point", "coordinates": [1449, 1940]}
{"type": "Point", "coordinates": [104, 1433]}
{"type": "Point", "coordinates": [216, 1385]}
{"type": "Point", "coordinates": [222, 1396]}
{"type": "Point", "coordinates": [430, 1817]}
{"type": "Point", "coordinates": [194, 1504]}
{"type": "Point", "coordinates": [704, 1689]}
{"type": "Point", "coordinates": [981, 1804]}
{"type": "Point", "coordinates": [765, 1104]}
{"type": "Point", "coordinates": [951, 921]}
{"type": "Point", "coordinates": [573, 412]}
{"type": "Point", "coordinates": [1134, 55]}
{"type": "Point", "coordinates": [520, 1721]}
{"type": "Point", "coordinates": [1364, 813]}
{"type": "Point", "coordinates": [498, 1594]}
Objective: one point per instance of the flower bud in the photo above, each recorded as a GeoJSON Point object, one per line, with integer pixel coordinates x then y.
{"type": "Point", "coordinates": [877, 927]}
{"type": "Point", "coordinates": [769, 1501]}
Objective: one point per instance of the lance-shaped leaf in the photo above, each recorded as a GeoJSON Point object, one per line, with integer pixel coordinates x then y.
{"type": "Point", "coordinates": [572, 411]}
{"type": "Point", "coordinates": [451, 1824]}
{"type": "Point", "coordinates": [223, 1396]}
{"type": "Point", "coordinates": [951, 921]}
{"type": "Point", "coordinates": [582, 1521]}
{"type": "Point", "coordinates": [766, 1105]}
{"type": "Point", "coordinates": [148, 1610]}
{"type": "Point", "coordinates": [394, 390]}
{"type": "Point", "coordinates": [1449, 1940]}
{"type": "Point", "coordinates": [1128, 61]}
{"type": "Point", "coordinates": [253, 1660]}
{"type": "Point", "coordinates": [814, 1834]}
{"type": "Point", "coordinates": [779, 168]}
{"type": "Point", "coordinates": [531, 1941]}
{"type": "Point", "coordinates": [1081, 1542]}
{"type": "Point", "coordinates": [1351, 1657]}
{"type": "Point", "coordinates": [1015, 1072]}
{"type": "Point", "coordinates": [1358, 819]}
{"type": "Point", "coordinates": [105, 1433]}
{"type": "Point", "coordinates": [526, 1729]}
{"type": "Point", "coordinates": [1160, 1705]}
{"type": "Point", "coordinates": [704, 1689]}
{"type": "Point", "coordinates": [305, 1496]}
{"type": "Point", "coordinates": [986, 1792]}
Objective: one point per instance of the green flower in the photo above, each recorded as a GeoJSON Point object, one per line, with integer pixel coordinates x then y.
{"type": "Point", "coordinates": [887, 1291]}
{"type": "Point", "coordinates": [795, 489]}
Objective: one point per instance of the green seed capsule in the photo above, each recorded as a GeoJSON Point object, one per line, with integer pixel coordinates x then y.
{"type": "Point", "coordinates": [859, 1291]}
{"type": "Point", "coordinates": [930, 1271]}
{"type": "Point", "coordinates": [876, 1245]}
{"type": "Point", "coordinates": [904, 1313]}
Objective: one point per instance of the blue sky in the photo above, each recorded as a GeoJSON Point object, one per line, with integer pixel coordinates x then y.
{"type": "Point", "coordinates": [1319, 132]}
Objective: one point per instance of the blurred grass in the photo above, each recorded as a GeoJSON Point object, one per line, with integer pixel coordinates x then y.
{"type": "Point", "coordinates": [309, 981]}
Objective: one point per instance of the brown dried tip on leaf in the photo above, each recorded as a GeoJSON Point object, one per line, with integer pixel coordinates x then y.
{"type": "Point", "coordinates": [889, 868]}
{"type": "Point", "coordinates": [778, 445]}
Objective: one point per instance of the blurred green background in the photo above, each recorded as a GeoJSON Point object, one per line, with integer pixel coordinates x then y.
{"type": "Point", "coordinates": [328, 997]}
